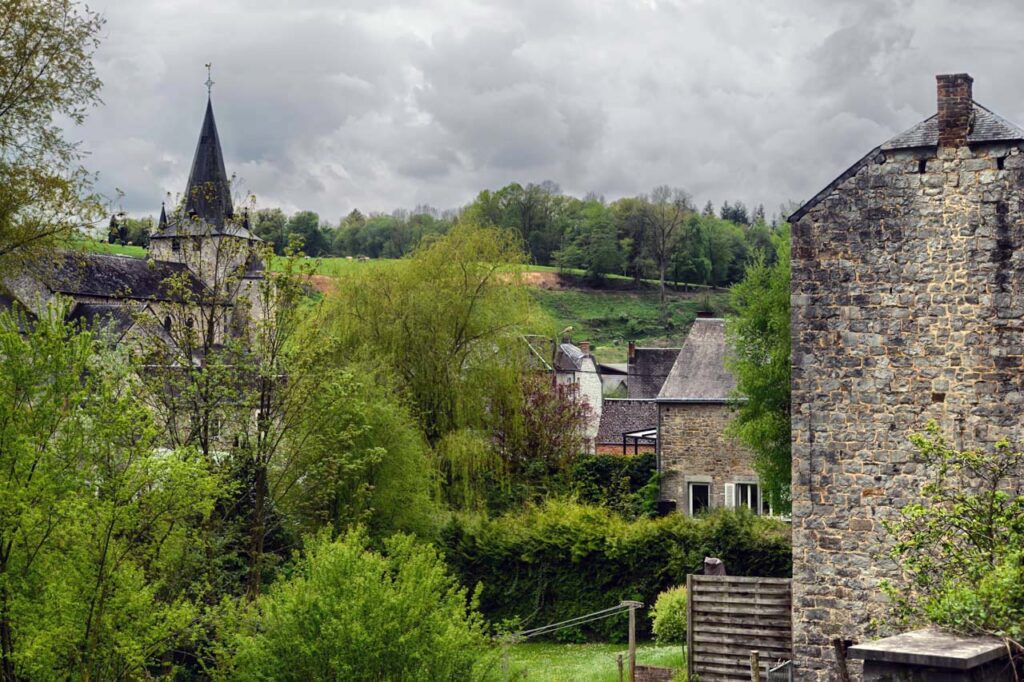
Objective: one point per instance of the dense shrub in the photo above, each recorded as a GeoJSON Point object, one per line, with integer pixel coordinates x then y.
{"type": "Point", "coordinates": [627, 485]}
{"type": "Point", "coordinates": [668, 618]}
{"type": "Point", "coordinates": [352, 614]}
{"type": "Point", "coordinates": [562, 559]}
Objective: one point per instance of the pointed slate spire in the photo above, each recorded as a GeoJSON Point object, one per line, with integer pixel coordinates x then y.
{"type": "Point", "coordinates": [208, 194]}
{"type": "Point", "coordinates": [163, 217]}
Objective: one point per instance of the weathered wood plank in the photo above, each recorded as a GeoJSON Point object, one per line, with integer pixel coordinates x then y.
{"type": "Point", "coordinates": [720, 579]}
{"type": "Point", "coordinates": [732, 615]}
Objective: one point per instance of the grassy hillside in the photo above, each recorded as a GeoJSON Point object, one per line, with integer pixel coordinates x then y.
{"type": "Point", "coordinates": [611, 319]}
{"type": "Point", "coordinates": [608, 318]}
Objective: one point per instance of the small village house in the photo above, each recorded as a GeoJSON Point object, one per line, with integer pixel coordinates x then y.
{"type": "Point", "coordinates": [701, 466]}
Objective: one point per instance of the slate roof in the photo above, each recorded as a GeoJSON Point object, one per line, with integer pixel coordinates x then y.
{"type": "Point", "coordinates": [648, 370]}
{"type": "Point", "coordinates": [569, 358]}
{"type": "Point", "coordinates": [110, 276]}
{"type": "Point", "coordinates": [699, 374]}
{"type": "Point", "coordinates": [208, 208]}
{"type": "Point", "coordinates": [619, 416]}
{"type": "Point", "coordinates": [987, 127]}
{"type": "Point", "coordinates": [9, 303]}
{"type": "Point", "coordinates": [114, 319]}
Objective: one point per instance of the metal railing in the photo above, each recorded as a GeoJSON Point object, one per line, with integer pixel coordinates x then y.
{"type": "Point", "coordinates": [783, 672]}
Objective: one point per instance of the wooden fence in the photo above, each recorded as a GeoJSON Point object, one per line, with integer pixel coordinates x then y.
{"type": "Point", "coordinates": [729, 617]}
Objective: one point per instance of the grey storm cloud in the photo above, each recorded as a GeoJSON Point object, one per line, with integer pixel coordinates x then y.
{"type": "Point", "coordinates": [376, 104]}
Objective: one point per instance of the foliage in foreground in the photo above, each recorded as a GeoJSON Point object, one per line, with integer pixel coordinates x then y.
{"type": "Point", "coordinates": [960, 548]}
{"type": "Point", "coordinates": [349, 613]}
{"type": "Point", "coordinates": [668, 618]}
{"type": "Point", "coordinates": [560, 560]}
{"type": "Point", "coordinates": [759, 336]}
{"type": "Point", "coordinates": [98, 525]}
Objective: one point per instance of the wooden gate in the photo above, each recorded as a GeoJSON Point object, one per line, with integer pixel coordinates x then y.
{"type": "Point", "coordinates": [729, 617]}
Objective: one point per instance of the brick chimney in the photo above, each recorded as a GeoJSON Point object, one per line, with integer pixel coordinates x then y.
{"type": "Point", "coordinates": [585, 347]}
{"type": "Point", "coordinates": [631, 353]}
{"type": "Point", "coordinates": [956, 108]}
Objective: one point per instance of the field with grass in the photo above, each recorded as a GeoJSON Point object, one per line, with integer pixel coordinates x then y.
{"type": "Point", "coordinates": [611, 319]}
{"type": "Point", "coordinates": [545, 662]}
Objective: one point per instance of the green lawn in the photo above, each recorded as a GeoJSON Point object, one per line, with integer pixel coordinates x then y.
{"type": "Point", "coordinates": [611, 319]}
{"type": "Point", "coordinates": [545, 662]}
{"type": "Point", "coordinates": [103, 247]}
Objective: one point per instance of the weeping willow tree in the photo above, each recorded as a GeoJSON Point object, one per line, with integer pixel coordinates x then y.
{"type": "Point", "coordinates": [445, 324]}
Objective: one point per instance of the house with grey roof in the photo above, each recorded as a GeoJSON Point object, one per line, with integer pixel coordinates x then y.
{"type": "Point", "coordinates": [628, 426]}
{"type": "Point", "coordinates": [647, 369]}
{"type": "Point", "coordinates": [195, 250]}
{"type": "Point", "coordinates": [574, 365]}
{"type": "Point", "coordinates": [907, 308]}
{"type": "Point", "coordinates": [702, 467]}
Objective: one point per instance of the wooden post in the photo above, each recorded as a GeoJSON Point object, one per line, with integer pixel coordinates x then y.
{"type": "Point", "coordinates": [840, 645]}
{"type": "Point", "coordinates": [689, 627]}
{"type": "Point", "coordinates": [633, 606]}
{"type": "Point", "coordinates": [618, 660]}
{"type": "Point", "coordinates": [632, 643]}
{"type": "Point", "coordinates": [755, 666]}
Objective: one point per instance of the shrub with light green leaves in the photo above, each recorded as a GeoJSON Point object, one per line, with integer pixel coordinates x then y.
{"type": "Point", "coordinates": [350, 613]}
{"type": "Point", "coordinates": [668, 617]}
{"type": "Point", "coordinates": [959, 548]}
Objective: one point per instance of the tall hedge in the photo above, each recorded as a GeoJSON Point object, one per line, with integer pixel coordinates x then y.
{"type": "Point", "coordinates": [562, 560]}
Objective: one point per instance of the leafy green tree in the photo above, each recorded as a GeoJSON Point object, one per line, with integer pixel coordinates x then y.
{"type": "Point", "coordinates": [451, 345]}
{"type": "Point", "coordinates": [46, 75]}
{"type": "Point", "coordinates": [668, 212]}
{"type": "Point", "coordinates": [96, 523]}
{"type": "Point", "coordinates": [349, 613]}
{"type": "Point", "coordinates": [305, 225]}
{"type": "Point", "coordinates": [364, 462]}
{"type": "Point", "coordinates": [270, 225]}
{"type": "Point", "coordinates": [959, 547]}
{"type": "Point", "coordinates": [760, 360]}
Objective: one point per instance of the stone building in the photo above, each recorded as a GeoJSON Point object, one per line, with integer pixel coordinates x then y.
{"type": "Point", "coordinates": [647, 369]}
{"type": "Point", "coordinates": [702, 467]}
{"type": "Point", "coordinates": [203, 257]}
{"type": "Point", "coordinates": [907, 306]}
{"type": "Point", "coordinates": [629, 426]}
{"type": "Point", "coordinates": [575, 366]}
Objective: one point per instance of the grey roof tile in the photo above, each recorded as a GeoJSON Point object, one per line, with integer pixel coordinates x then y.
{"type": "Point", "coordinates": [110, 276]}
{"type": "Point", "coordinates": [619, 416]}
{"type": "Point", "coordinates": [987, 127]}
{"type": "Point", "coordinates": [699, 373]}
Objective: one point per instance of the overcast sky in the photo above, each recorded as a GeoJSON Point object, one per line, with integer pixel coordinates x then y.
{"type": "Point", "coordinates": [378, 104]}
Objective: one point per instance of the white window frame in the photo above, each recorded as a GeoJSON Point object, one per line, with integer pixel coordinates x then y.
{"type": "Point", "coordinates": [689, 494]}
{"type": "Point", "coordinates": [748, 490]}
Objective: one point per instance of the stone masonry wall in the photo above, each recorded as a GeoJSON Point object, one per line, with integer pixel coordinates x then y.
{"type": "Point", "coordinates": [693, 446]}
{"type": "Point", "coordinates": [907, 306]}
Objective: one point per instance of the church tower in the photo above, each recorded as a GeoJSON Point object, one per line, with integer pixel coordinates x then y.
{"type": "Point", "coordinates": [204, 232]}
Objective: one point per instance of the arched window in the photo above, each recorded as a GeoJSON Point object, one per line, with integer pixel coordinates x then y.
{"type": "Point", "coordinates": [175, 244]}
{"type": "Point", "coordinates": [190, 323]}
{"type": "Point", "coordinates": [167, 323]}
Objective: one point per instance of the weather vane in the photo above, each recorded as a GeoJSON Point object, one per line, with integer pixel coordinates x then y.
{"type": "Point", "coordinates": [209, 79]}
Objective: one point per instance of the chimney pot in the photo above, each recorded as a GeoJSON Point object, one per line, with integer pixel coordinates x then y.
{"type": "Point", "coordinates": [631, 353]}
{"type": "Point", "coordinates": [955, 108]}
{"type": "Point", "coordinates": [585, 346]}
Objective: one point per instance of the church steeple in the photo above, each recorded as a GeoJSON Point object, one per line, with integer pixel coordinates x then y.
{"type": "Point", "coordinates": [208, 193]}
